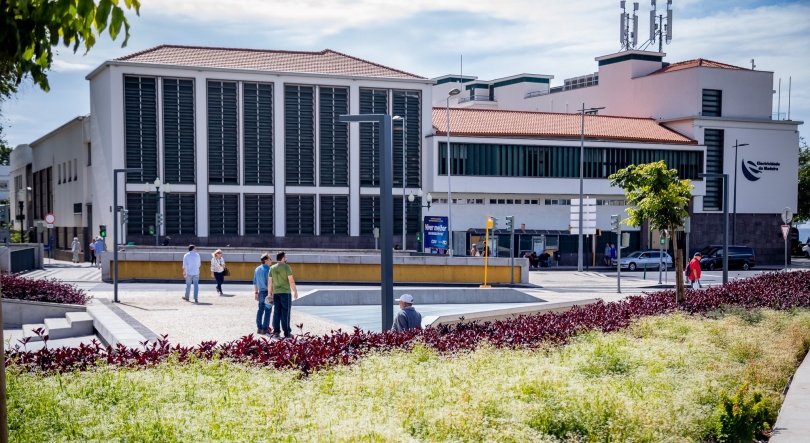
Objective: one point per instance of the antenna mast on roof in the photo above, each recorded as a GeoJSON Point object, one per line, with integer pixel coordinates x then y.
{"type": "Point", "coordinates": [628, 38]}
{"type": "Point", "coordinates": [662, 30]}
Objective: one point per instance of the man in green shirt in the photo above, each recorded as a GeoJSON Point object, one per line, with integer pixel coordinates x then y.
{"type": "Point", "coordinates": [283, 286]}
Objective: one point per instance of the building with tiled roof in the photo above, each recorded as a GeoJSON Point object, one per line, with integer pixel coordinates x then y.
{"type": "Point", "coordinates": [695, 63]}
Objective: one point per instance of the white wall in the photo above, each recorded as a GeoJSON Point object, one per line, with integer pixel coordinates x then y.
{"type": "Point", "coordinates": [19, 158]}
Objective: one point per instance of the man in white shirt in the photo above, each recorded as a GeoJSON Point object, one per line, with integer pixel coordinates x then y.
{"type": "Point", "coordinates": [191, 271]}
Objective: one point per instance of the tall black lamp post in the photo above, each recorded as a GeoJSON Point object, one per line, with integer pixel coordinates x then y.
{"type": "Point", "coordinates": [737, 145]}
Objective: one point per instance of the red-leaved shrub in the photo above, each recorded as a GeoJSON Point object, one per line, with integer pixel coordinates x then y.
{"type": "Point", "coordinates": [306, 353]}
{"type": "Point", "coordinates": [46, 290]}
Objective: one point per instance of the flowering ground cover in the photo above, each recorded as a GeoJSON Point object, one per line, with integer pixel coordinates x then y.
{"type": "Point", "coordinates": [19, 287]}
{"type": "Point", "coordinates": [663, 378]}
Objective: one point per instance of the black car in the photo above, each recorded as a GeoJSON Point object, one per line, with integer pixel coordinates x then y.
{"type": "Point", "coordinates": [741, 257]}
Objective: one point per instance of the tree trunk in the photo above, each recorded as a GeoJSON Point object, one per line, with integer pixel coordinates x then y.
{"type": "Point", "coordinates": [679, 296]}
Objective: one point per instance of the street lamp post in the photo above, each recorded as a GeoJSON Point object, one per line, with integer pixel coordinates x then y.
{"type": "Point", "coordinates": [725, 219]}
{"type": "Point", "coordinates": [737, 145]}
{"type": "Point", "coordinates": [386, 213]}
{"type": "Point", "coordinates": [167, 189]}
{"type": "Point", "coordinates": [404, 208]}
{"type": "Point", "coordinates": [115, 226]}
{"type": "Point", "coordinates": [429, 199]}
{"type": "Point", "coordinates": [453, 92]}
{"type": "Point", "coordinates": [581, 176]}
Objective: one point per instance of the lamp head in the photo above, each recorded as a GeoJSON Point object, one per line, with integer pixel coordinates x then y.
{"type": "Point", "coordinates": [429, 197]}
{"type": "Point", "coordinates": [454, 91]}
{"type": "Point", "coordinates": [410, 197]}
{"type": "Point", "coordinates": [419, 192]}
{"type": "Point", "coordinates": [742, 144]}
{"type": "Point", "coordinates": [167, 189]}
{"type": "Point", "coordinates": [157, 182]}
{"type": "Point", "coordinates": [147, 188]}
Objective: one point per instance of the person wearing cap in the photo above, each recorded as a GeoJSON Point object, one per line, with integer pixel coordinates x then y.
{"type": "Point", "coordinates": [407, 318]}
{"type": "Point", "coordinates": [694, 270]}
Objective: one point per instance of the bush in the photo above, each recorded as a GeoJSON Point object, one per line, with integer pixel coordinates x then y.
{"type": "Point", "coordinates": [741, 416]}
{"type": "Point", "coordinates": [46, 290]}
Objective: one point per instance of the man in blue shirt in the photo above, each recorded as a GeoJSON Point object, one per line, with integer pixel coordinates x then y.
{"type": "Point", "coordinates": [191, 271]}
{"type": "Point", "coordinates": [260, 281]}
{"type": "Point", "coordinates": [98, 246]}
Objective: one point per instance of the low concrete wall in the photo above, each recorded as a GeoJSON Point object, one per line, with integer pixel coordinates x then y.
{"type": "Point", "coordinates": [352, 297]}
{"type": "Point", "coordinates": [505, 313]}
{"type": "Point", "coordinates": [323, 267]}
{"type": "Point", "coordinates": [19, 312]}
{"type": "Point", "coordinates": [5, 255]}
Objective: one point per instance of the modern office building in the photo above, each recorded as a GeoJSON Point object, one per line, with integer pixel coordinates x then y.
{"type": "Point", "coordinates": [249, 145]}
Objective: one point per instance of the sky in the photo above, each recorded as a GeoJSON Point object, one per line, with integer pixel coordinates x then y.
{"type": "Point", "coordinates": [496, 38]}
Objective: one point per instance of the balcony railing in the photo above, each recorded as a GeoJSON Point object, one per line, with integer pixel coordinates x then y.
{"type": "Point", "coordinates": [476, 98]}
{"type": "Point", "coordinates": [560, 89]}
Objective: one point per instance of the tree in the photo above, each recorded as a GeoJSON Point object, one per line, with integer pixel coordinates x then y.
{"type": "Point", "coordinates": [30, 29]}
{"type": "Point", "coordinates": [655, 193]}
{"type": "Point", "coordinates": [803, 211]}
{"type": "Point", "coordinates": [5, 149]}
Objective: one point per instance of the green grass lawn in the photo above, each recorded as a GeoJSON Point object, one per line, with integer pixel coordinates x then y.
{"type": "Point", "coordinates": [658, 381]}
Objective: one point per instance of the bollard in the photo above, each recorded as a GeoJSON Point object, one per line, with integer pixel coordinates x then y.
{"type": "Point", "coordinates": [645, 271]}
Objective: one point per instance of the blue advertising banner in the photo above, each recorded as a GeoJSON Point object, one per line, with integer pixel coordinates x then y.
{"type": "Point", "coordinates": [436, 234]}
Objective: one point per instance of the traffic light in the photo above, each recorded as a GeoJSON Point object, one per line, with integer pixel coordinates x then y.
{"type": "Point", "coordinates": [102, 230]}
{"type": "Point", "coordinates": [615, 222]}
{"type": "Point", "coordinates": [159, 221]}
{"type": "Point", "coordinates": [124, 216]}
{"type": "Point", "coordinates": [510, 222]}
{"type": "Point", "coordinates": [494, 222]}
{"type": "Point", "coordinates": [151, 230]}
{"type": "Point", "coordinates": [5, 218]}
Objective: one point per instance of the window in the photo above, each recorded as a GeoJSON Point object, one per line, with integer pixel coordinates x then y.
{"type": "Point", "coordinates": [77, 208]}
{"type": "Point", "coordinates": [714, 139]}
{"type": "Point", "coordinates": [59, 174]}
{"type": "Point", "coordinates": [75, 169]}
{"type": "Point", "coordinates": [142, 209]}
{"type": "Point", "coordinates": [334, 215]}
{"type": "Point", "coordinates": [223, 214]}
{"type": "Point", "coordinates": [69, 171]}
{"type": "Point", "coordinates": [407, 104]}
{"type": "Point", "coordinates": [43, 192]}
{"type": "Point", "coordinates": [473, 159]}
{"type": "Point", "coordinates": [712, 103]}
{"type": "Point", "coordinates": [559, 202]}
{"type": "Point", "coordinates": [223, 154]}
{"type": "Point", "coordinates": [370, 215]}
{"type": "Point", "coordinates": [89, 154]}
{"type": "Point", "coordinates": [181, 211]}
{"type": "Point", "coordinates": [258, 214]}
{"type": "Point", "coordinates": [300, 214]}
{"type": "Point", "coordinates": [140, 128]}
{"type": "Point", "coordinates": [334, 137]}
{"type": "Point", "coordinates": [611, 203]}
{"type": "Point", "coordinates": [178, 131]}
{"type": "Point", "coordinates": [299, 135]}
{"type": "Point", "coordinates": [258, 133]}
{"type": "Point", "coordinates": [372, 101]}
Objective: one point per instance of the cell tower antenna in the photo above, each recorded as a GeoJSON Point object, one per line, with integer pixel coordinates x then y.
{"type": "Point", "coordinates": [660, 27]}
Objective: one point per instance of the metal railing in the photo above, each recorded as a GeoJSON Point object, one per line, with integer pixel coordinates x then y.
{"type": "Point", "coordinates": [557, 89]}
{"type": "Point", "coordinates": [476, 98]}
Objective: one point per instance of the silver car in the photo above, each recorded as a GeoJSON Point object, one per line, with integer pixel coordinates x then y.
{"type": "Point", "coordinates": [638, 260]}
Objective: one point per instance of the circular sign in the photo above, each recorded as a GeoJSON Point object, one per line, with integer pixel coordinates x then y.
{"type": "Point", "coordinates": [787, 215]}
{"type": "Point", "coordinates": [50, 219]}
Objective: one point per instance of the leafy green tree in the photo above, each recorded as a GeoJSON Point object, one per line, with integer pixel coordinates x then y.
{"type": "Point", "coordinates": [803, 211]}
{"type": "Point", "coordinates": [30, 29]}
{"type": "Point", "coordinates": [5, 149]}
{"type": "Point", "coordinates": [655, 193]}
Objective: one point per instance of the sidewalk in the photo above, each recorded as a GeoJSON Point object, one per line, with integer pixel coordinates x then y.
{"type": "Point", "coordinates": [792, 425]}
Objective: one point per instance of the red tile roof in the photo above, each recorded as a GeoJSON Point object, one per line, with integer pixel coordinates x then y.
{"type": "Point", "coordinates": [498, 123]}
{"type": "Point", "coordinates": [324, 62]}
{"type": "Point", "coordinates": [698, 62]}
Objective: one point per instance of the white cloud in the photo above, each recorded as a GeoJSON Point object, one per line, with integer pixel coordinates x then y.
{"type": "Point", "coordinates": [62, 66]}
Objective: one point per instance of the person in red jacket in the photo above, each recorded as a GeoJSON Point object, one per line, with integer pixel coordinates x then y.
{"type": "Point", "coordinates": [694, 270]}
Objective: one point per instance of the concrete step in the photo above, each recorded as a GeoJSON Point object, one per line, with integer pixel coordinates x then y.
{"type": "Point", "coordinates": [81, 323]}
{"type": "Point", "coordinates": [58, 328]}
{"type": "Point", "coordinates": [28, 331]}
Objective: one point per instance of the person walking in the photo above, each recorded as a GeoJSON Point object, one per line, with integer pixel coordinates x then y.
{"type": "Point", "coordinates": [474, 251]}
{"type": "Point", "coordinates": [99, 247]}
{"type": "Point", "coordinates": [191, 272]}
{"type": "Point", "coordinates": [694, 270]}
{"type": "Point", "coordinates": [283, 284]}
{"type": "Point", "coordinates": [93, 252]}
{"type": "Point", "coordinates": [261, 282]}
{"type": "Point", "coordinates": [407, 318]}
{"type": "Point", "coordinates": [218, 269]}
{"type": "Point", "coordinates": [612, 252]}
{"type": "Point", "coordinates": [607, 254]}
{"type": "Point", "coordinates": [166, 240]}
{"type": "Point", "coordinates": [76, 247]}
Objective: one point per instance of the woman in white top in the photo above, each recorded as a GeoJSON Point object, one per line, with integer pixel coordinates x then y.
{"type": "Point", "coordinates": [218, 269]}
{"type": "Point", "coordinates": [76, 248]}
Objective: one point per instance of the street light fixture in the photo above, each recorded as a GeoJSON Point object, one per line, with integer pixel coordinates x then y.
{"type": "Point", "coordinates": [426, 198]}
{"type": "Point", "coordinates": [580, 251]}
{"type": "Point", "coordinates": [167, 189]}
{"type": "Point", "coordinates": [453, 92]}
{"type": "Point", "coordinates": [725, 219]}
{"type": "Point", "coordinates": [115, 225]}
{"type": "Point", "coordinates": [737, 145]}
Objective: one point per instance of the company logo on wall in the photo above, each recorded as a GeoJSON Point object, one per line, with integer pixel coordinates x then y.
{"type": "Point", "coordinates": [753, 170]}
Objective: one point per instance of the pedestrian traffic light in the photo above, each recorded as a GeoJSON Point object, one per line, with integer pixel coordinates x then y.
{"type": "Point", "coordinates": [151, 230]}
{"type": "Point", "coordinates": [5, 219]}
{"type": "Point", "coordinates": [510, 222]}
{"type": "Point", "coordinates": [102, 230]}
{"type": "Point", "coordinates": [615, 221]}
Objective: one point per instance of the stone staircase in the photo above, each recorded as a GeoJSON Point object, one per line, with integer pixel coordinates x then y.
{"type": "Point", "coordinates": [74, 324]}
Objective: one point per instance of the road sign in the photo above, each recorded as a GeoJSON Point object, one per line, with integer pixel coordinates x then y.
{"type": "Point", "coordinates": [50, 219]}
{"type": "Point", "coordinates": [49, 225]}
{"type": "Point", "coordinates": [785, 231]}
{"type": "Point", "coordinates": [687, 225]}
{"type": "Point", "coordinates": [787, 215]}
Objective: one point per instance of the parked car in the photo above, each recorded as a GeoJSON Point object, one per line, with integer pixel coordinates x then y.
{"type": "Point", "coordinates": [806, 250]}
{"type": "Point", "coordinates": [638, 260]}
{"type": "Point", "coordinates": [741, 257]}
